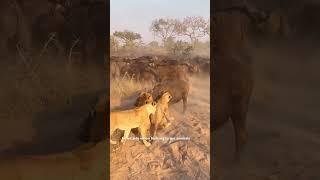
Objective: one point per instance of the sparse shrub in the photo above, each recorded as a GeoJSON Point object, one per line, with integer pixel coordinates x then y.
{"type": "Point", "coordinates": [181, 49]}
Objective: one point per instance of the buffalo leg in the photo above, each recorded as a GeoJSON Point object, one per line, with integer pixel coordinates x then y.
{"type": "Point", "coordinates": [185, 101]}
{"type": "Point", "coordinates": [238, 116]}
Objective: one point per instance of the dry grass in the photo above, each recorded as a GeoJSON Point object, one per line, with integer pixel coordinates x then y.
{"type": "Point", "coordinates": [136, 52]}
{"type": "Point", "coordinates": [126, 86]}
{"type": "Point", "coordinates": [123, 91]}
{"type": "Point", "coordinates": [53, 81]}
{"type": "Point", "coordinates": [37, 83]}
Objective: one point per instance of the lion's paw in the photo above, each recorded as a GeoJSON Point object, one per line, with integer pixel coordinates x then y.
{"type": "Point", "coordinates": [147, 144]}
{"type": "Point", "coordinates": [123, 140]}
{"type": "Point", "coordinates": [171, 118]}
{"type": "Point", "coordinates": [167, 125]}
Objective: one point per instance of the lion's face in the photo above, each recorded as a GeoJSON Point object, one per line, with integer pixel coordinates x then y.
{"type": "Point", "coordinates": [144, 98]}
{"type": "Point", "coordinates": [166, 96]}
{"type": "Point", "coordinates": [147, 97]}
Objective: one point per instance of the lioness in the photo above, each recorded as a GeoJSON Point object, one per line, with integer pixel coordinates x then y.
{"type": "Point", "coordinates": [161, 116]}
{"type": "Point", "coordinates": [144, 98]}
{"type": "Point", "coordinates": [133, 118]}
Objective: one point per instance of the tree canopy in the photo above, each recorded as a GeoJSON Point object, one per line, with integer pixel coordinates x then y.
{"type": "Point", "coordinates": [164, 28]}
{"type": "Point", "coordinates": [128, 38]}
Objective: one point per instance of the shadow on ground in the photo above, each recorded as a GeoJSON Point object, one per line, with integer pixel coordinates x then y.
{"type": "Point", "coordinates": [58, 130]}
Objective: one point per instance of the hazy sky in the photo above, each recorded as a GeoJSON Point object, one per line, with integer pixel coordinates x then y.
{"type": "Point", "coordinates": [137, 15]}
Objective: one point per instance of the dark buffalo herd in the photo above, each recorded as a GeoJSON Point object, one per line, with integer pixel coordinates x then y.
{"type": "Point", "coordinates": [157, 68]}
{"type": "Point", "coordinates": [163, 72]}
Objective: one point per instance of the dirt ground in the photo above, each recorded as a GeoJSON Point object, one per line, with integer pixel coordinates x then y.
{"type": "Point", "coordinates": [40, 140]}
{"type": "Point", "coordinates": [185, 159]}
{"type": "Point", "coordinates": [283, 120]}
{"type": "Point", "coordinates": [90, 164]}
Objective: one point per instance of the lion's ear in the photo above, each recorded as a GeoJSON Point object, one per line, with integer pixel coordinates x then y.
{"type": "Point", "coordinates": [141, 93]}
{"type": "Point", "coordinates": [149, 91]}
{"type": "Point", "coordinates": [163, 92]}
{"type": "Point", "coordinates": [158, 97]}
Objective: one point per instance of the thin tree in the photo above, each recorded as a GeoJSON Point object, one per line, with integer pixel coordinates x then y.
{"type": "Point", "coordinates": [114, 43]}
{"type": "Point", "coordinates": [164, 28]}
{"type": "Point", "coordinates": [194, 28]}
